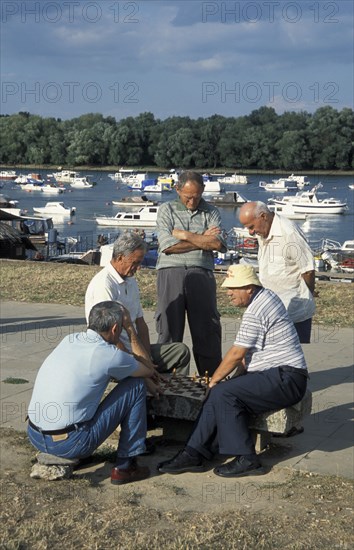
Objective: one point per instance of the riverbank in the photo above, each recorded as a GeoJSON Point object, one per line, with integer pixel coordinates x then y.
{"type": "Point", "coordinates": [46, 282]}
{"type": "Point", "coordinates": [222, 169]}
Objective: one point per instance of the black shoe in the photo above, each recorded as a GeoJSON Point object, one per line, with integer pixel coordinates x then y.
{"type": "Point", "coordinates": [238, 467]}
{"type": "Point", "coordinates": [181, 463]}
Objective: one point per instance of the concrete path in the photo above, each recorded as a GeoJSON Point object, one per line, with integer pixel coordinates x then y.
{"type": "Point", "coordinates": [30, 331]}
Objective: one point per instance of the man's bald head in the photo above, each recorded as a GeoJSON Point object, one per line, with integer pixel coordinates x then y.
{"type": "Point", "coordinates": [256, 217]}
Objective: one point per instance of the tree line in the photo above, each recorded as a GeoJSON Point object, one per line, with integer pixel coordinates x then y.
{"type": "Point", "coordinates": [321, 140]}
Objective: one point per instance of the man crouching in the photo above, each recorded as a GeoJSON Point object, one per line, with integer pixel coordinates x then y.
{"type": "Point", "coordinates": [66, 415]}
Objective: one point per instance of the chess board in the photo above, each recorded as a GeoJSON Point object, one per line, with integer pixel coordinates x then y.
{"type": "Point", "coordinates": [182, 397]}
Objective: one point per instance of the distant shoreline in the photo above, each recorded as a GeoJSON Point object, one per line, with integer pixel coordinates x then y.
{"type": "Point", "coordinates": [160, 169]}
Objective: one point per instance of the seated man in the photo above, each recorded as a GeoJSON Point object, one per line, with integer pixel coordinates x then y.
{"type": "Point", "coordinates": [116, 282]}
{"type": "Point", "coordinates": [66, 415]}
{"type": "Point", "coordinates": [275, 377]}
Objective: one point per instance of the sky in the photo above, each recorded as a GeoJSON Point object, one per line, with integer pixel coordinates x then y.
{"type": "Point", "coordinates": [66, 58]}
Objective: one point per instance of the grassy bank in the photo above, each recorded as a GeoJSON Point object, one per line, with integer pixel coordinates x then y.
{"type": "Point", "coordinates": [66, 284]}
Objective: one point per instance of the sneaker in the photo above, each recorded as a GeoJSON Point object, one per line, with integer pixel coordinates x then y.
{"type": "Point", "coordinates": [119, 476]}
{"type": "Point", "coordinates": [182, 462]}
{"type": "Point", "coordinates": [239, 466]}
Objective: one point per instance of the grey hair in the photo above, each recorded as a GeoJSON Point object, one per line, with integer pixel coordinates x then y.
{"type": "Point", "coordinates": [188, 176]}
{"type": "Point", "coordinates": [127, 243]}
{"type": "Point", "coordinates": [260, 208]}
{"type": "Point", "coordinates": [104, 315]}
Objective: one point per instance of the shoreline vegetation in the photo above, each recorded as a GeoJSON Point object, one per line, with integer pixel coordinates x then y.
{"type": "Point", "coordinates": [47, 282]}
{"type": "Point", "coordinates": [116, 168]}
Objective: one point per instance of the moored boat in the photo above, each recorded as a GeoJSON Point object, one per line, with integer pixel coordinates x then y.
{"type": "Point", "coordinates": [55, 208]}
{"type": "Point", "coordinates": [281, 184]}
{"type": "Point", "coordinates": [8, 175]}
{"type": "Point", "coordinates": [135, 201]}
{"type": "Point", "coordinates": [227, 199]}
{"type": "Point", "coordinates": [145, 217]}
{"type": "Point", "coordinates": [81, 183]}
{"type": "Point", "coordinates": [233, 179]}
{"type": "Point", "coordinates": [308, 202]}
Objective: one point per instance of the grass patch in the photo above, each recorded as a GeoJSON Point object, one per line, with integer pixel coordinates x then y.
{"type": "Point", "coordinates": [51, 283]}
{"type": "Point", "coordinates": [11, 380]}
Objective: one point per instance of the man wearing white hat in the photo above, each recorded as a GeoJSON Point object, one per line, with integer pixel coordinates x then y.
{"type": "Point", "coordinates": [269, 373]}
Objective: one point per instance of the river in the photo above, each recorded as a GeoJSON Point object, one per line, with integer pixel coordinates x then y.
{"type": "Point", "coordinates": [97, 201]}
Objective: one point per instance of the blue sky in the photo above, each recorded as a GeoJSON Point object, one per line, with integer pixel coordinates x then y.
{"type": "Point", "coordinates": [65, 58]}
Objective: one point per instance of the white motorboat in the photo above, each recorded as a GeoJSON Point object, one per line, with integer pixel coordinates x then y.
{"type": "Point", "coordinates": [287, 211]}
{"type": "Point", "coordinates": [159, 186]}
{"type": "Point", "coordinates": [66, 176]}
{"type": "Point", "coordinates": [227, 199]}
{"type": "Point", "coordinates": [81, 183]}
{"type": "Point", "coordinates": [281, 184]}
{"type": "Point", "coordinates": [351, 186]}
{"type": "Point", "coordinates": [55, 208]}
{"type": "Point", "coordinates": [308, 202]}
{"type": "Point", "coordinates": [233, 179]}
{"type": "Point", "coordinates": [135, 179]}
{"type": "Point", "coordinates": [210, 185]}
{"type": "Point", "coordinates": [135, 201]}
{"type": "Point", "coordinates": [52, 189]}
{"type": "Point", "coordinates": [300, 180]}
{"type": "Point", "coordinates": [8, 175]}
{"type": "Point", "coordinates": [145, 217]}
{"type": "Point", "coordinates": [32, 185]}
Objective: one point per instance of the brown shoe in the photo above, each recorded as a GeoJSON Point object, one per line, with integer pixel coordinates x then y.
{"type": "Point", "coordinates": [128, 475]}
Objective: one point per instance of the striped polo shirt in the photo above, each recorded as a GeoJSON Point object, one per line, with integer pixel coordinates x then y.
{"type": "Point", "coordinates": [174, 215]}
{"type": "Point", "coordinates": [269, 334]}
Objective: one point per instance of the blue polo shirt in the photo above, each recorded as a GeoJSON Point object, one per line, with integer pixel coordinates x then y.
{"type": "Point", "coordinates": [71, 381]}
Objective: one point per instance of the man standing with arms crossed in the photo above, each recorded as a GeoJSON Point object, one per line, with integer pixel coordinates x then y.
{"type": "Point", "coordinates": [189, 231]}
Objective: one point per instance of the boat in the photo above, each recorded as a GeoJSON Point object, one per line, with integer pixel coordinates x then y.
{"type": "Point", "coordinates": [145, 217]}
{"type": "Point", "coordinates": [210, 185]}
{"type": "Point", "coordinates": [81, 183]}
{"type": "Point", "coordinates": [31, 185]}
{"type": "Point", "coordinates": [233, 179]}
{"type": "Point", "coordinates": [8, 175]}
{"type": "Point", "coordinates": [55, 208]}
{"type": "Point", "coordinates": [281, 184]}
{"type": "Point", "coordinates": [151, 186]}
{"type": "Point", "coordinates": [10, 206]}
{"type": "Point", "coordinates": [301, 181]}
{"type": "Point", "coordinates": [308, 202]}
{"type": "Point", "coordinates": [287, 211]}
{"type": "Point", "coordinates": [28, 178]}
{"type": "Point", "coordinates": [351, 186]}
{"type": "Point", "coordinates": [52, 189]}
{"type": "Point", "coordinates": [135, 201]}
{"type": "Point", "coordinates": [66, 176]}
{"type": "Point", "coordinates": [134, 179]}
{"type": "Point", "coordinates": [227, 199]}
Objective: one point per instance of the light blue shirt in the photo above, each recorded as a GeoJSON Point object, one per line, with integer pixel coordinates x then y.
{"type": "Point", "coordinates": [71, 381]}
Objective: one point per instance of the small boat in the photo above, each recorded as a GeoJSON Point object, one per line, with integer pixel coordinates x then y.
{"type": "Point", "coordinates": [81, 183]}
{"type": "Point", "coordinates": [8, 175]}
{"type": "Point", "coordinates": [287, 211]}
{"type": "Point", "coordinates": [10, 206]}
{"type": "Point", "coordinates": [28, 178]}
{"type": "Point", "coordinates": [66, 176]}
{"type": "Point", "coordinates": [52, 189]}
{"type": "Point", "coordinates": [308, 202]}
{"type": "Point", "coordinates": [227, 199]}
{"type": "Point", "coordinates": [135, 179]}
{"type": "Point", "coordinates": [351, 186]}
{"type": "Point", "coordinates": [210, 185]}
{"type": "Point", "coordinates": [233, 179]}
{"type": "Point", "coordinates": [300, 180]}
{"type": "Point", "coordinates": [32, 185]}
{"type": "Point", "coordinates": [281, 184]}
{"type": "Point", "coordinates": [145, 217]}
{"type": "Point", "coordinates": [135, 201]}
{"type": "Point", "coordinates": [55, 208]}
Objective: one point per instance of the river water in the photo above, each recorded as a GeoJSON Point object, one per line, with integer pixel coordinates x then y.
{"type": "Point", "coordinates": [97, 201]}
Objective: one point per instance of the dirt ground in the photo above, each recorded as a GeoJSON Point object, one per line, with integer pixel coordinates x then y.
{"type": "Point", "coordinates": [281, 509]}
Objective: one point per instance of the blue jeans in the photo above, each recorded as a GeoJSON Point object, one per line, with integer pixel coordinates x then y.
{"type": "Point", "coordinates": [124, 405]}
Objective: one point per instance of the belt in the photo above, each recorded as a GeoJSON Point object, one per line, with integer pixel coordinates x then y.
{"type": "Point", "coordinates": [303, 372]}
{"type": "Point", "coordinates": [68, 429]}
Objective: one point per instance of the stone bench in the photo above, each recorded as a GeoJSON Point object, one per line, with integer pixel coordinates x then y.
{"type": "Point", "coordinates": [52, 467]}
{"type": "Point", "coordinates": [179, 408]}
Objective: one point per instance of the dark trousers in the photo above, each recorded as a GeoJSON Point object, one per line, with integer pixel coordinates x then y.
{"type": "Point", "coordinates": [303, 329]}
{"type": "Point", "coordinates": [190, 291]}
{"type": "Point", "coordinates": [225, 415]}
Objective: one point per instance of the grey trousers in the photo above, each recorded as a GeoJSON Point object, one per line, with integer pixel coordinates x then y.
{"type": "Point", "coordinates": [190, 291]}
{"type": "Point", "coordinates": [168, 357]}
